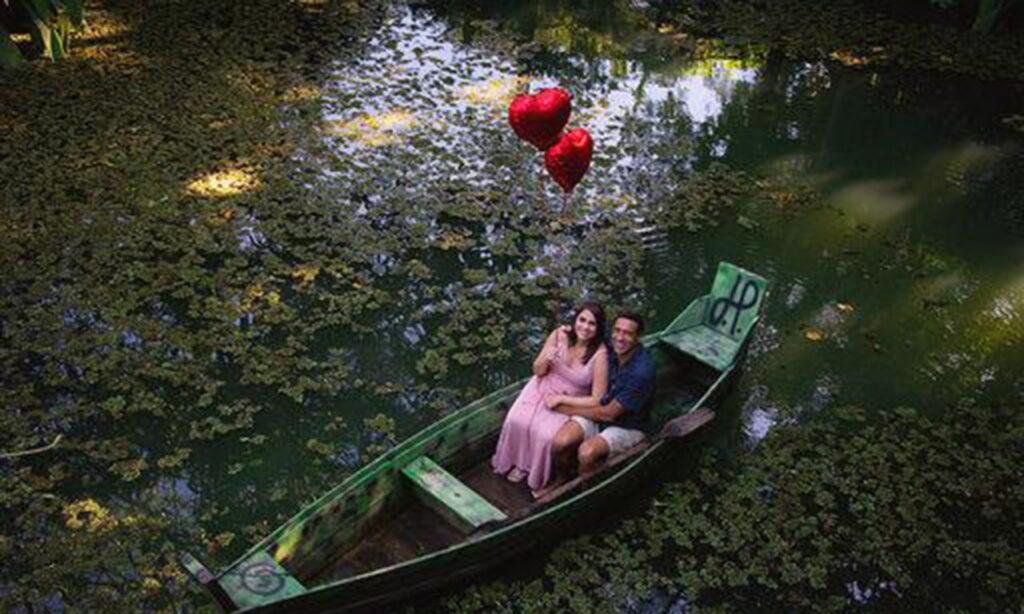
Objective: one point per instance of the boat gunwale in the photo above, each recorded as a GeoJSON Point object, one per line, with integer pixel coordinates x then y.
{"type": "Point", "coordinates": [518, 524]}
{"type": "Point", "coordinates": [375, 466]}
{"type": "Point", "coordinates": [472, 408]}
{"type": "Point", "coordinates": [381, 463]}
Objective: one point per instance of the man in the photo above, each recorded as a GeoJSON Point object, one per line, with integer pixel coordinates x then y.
{"type": "Point", "coordinates": [600, 431]}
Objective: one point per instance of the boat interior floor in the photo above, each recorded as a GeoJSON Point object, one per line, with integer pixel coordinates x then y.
{"type": "Point", "coordinates": [417, 530]}
{"type": "Point", "coordinates": [412, 532]}
{"type": "Point", "coordinates": [414, 529]}
{"type": "Point", "coordinates": [510, 497]}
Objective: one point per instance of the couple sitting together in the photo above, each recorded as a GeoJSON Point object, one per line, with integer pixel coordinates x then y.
{"type": "Point", "coordinates": [585, 402]}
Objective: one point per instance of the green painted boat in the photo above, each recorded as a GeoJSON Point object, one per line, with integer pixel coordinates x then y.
{"type": "Point", "coordinates": [430, 511]}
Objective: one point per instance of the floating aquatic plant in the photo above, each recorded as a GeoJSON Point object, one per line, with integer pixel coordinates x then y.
{"type": "Point", "coordinates": [843, 512]}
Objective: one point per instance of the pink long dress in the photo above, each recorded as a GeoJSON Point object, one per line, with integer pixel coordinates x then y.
{"type": "Point", "coordinates": [524, 447]}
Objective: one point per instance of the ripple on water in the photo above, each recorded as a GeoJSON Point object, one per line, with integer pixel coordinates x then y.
{"type": "Point", "coordinates": [1003, 309]}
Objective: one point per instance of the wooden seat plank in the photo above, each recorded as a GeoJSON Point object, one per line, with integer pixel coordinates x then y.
{"type": "Point", "coordinates": [463, 507]}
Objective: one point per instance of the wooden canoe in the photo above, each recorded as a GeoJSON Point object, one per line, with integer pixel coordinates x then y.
{"type": "Point", "coordinates": [431, 511]}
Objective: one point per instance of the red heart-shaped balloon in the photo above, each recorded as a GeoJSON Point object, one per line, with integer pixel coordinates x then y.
{"type": "Point", "coordinates": [539, 119]}
{"type": "Point", "coordinates": [568, 159]}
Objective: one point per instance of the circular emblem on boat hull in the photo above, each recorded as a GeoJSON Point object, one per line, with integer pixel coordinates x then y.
{"type": "Point", "coordinates": [262, 579]}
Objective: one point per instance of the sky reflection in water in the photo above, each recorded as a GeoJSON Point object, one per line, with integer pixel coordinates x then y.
{"type": "Point", "coordinates": [421, 106]}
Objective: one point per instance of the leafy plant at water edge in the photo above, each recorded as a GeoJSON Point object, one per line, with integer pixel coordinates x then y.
{"type": "Point", "coordinates": [989, 12]}
{"type": "Point", "coordinates": [50, 23]}
{"type": "Point", "coordinates": [847, 32]}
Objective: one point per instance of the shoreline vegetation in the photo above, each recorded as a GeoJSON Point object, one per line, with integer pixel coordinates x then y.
{"type": "Point", "coordinates": [859, 35]}
{"type": "Point", "coordinates": [130, 168]}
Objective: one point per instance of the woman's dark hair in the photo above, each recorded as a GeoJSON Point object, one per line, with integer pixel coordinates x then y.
{"type": "Point", "coordinates": [594, 344]}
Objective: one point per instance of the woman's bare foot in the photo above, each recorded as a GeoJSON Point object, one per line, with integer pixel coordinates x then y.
{"type": "Point", "coordinates": [550, 488]}
{"type": "Point", "coordinates": [516, 475]}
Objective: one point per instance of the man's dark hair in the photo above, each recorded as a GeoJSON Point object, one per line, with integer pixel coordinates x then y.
{"type": "Point", "coordinates": [635, 317]}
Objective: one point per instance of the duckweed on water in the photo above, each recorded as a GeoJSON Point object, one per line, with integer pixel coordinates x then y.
{"type": "Point", "coordinates": [140, 279]}
{"type": "Point", "coordinates": [699, 202]}
{"type": "Point", "coordinates": [902, 513]}
{"type": "Point", "coordinates": [216, 233]}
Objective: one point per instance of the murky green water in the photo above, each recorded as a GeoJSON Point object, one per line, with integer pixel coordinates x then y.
{"type": "Point", "coordinates": [885, 209]}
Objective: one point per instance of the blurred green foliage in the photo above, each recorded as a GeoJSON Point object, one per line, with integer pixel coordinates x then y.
{"type": "Point", "coordinates": [991, 12]}
{"type": "Point", "coordinates": [987, 13]}
{"type": "Point", "coordinates": [50, 23]}
{"type": "Point", "coordinates": [851, 32]}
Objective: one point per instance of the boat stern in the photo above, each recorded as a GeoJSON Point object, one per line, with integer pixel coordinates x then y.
{"type": "Point", "coordinates": [208, 581]}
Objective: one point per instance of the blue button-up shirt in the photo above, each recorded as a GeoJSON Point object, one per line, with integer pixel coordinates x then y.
{"type": "Point", "coordinates": [632, 385]}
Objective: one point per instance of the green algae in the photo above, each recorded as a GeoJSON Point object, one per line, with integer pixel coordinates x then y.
{"type": "Point", "coordinates": [177, 256]}
{"type": "Point", "coordinates": [836, 514]}
{"type": "Point", "coordinates": [136, 288]}
{"type": "Point", "coordinates": [700, 201]}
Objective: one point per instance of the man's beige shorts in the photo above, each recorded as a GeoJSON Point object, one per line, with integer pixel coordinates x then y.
{"type": "Point", "coordinates": [618, 439]}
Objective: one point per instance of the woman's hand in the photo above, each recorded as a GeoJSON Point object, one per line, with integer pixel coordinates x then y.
{"type": "Point", "coordinates": [558, 339]}
{"type": "Point", "coordinates": [563, 335]}
{"type": "Point", "coordinates": [561, 341]}
{"type": "Point", "coordinates": [553, 400]}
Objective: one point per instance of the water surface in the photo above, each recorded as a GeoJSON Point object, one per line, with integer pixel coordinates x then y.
{"type": "Point", "coordinates": [428, 253]}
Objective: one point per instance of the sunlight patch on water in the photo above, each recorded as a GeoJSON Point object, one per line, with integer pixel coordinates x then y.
{"type": "Point", "coordinates": [875, 201]}
{"type": "Point", "coordinates": [1003, 309]}
{"type": "Point", "coordinates": [999, 323]}
{"type": "Point", "coordinates": [497, 92]}
{"type": "Point", "coordinates": [224, 183]}
{"type": "Point", "coordinates": [956, 165]}
{"type": "Point", "coordinates": [373, 130]}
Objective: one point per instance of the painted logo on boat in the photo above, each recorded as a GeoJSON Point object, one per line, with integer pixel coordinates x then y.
{"type": "Point", "coordinates": [739, 299]}
{"type": "Point", "coordinates": [262, 579]}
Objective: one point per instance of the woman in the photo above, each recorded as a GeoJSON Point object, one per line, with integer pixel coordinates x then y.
{"type": "Point", "coordinates": [572, 363]}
